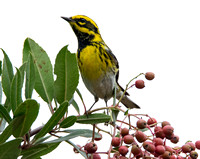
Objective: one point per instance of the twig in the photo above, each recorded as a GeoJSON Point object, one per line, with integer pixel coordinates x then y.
{"type": "Point", "coordinates": [35, 131]}
{"type": "Point", "coordinates": [51, 108]}
{"type": "Point", "coordinates": [127, 88]}
{"type": "Point", "coordinates": [93, 132]}
{"type": "Point", "coordinates": [110, 144]}
{"type": "Point", "coordinates": [127, 124]}
{"type": "Point", "coordinates": [102, 108]}
{"type": "Point", "coordinates": [99, 129]}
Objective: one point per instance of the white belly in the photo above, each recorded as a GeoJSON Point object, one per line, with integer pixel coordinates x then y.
{"type": "Point", "coordinates": [102, 87]}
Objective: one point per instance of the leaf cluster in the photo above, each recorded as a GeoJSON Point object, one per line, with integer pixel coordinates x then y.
{"type": "Point", "coordinates": [19, 110]}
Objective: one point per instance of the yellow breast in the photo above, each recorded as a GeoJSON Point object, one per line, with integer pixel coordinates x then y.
{"type": "Point", "coordinates": [93, 63]}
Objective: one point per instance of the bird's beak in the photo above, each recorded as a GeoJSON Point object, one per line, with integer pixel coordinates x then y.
{"type": "Point", "coordinates": [67, 19]}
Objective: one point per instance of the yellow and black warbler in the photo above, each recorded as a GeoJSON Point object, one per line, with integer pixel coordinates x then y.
{"type": "Point", "coordinates": [97, 64]}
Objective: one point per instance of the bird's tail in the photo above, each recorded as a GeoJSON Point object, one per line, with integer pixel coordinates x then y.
{"type": "Point", "coordinates": [126, 101]}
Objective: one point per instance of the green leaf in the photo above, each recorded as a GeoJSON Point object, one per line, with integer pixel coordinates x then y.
{"type": "Point", "coordinates": [75, 105]}
{"type": "Point", "coordinates": [24, 116]}
{"type": "Point", "coordinates": [30, 77]}
{"type": "Point", "coordinates": [79, 94]}
{"type": "Point", "coordinates": [2, 124]}
{"type": "Point", "coordinates": [68, 122]}
{"type": "Point", "coordinates": [143, 130]}
{"type": "Point", "coordinates": [93, 118]}
{"type": "Point", "coordinates": [114, 114]}
{"type": "Point", "coordinates": [7, 75]}
{"type": "Point", "coordinates": [16, 90]}
{"type": "Point", "coordinates": [10, 149]}
{"type": "Point", "coordinates": [6, 133]}
{"type": "Point", "coordinates": [83, 132]}
{"type": "Point", "coordinates": [1, 92]}
{"type": "Point", "coordinates": [4, 113]}
{"type": "Point", "coordinates": [22, 70]}
{"type": "Point", "coordinates": [53, 121]}
{"type": "Point", "coordinates": [42, 139]}
{"type": "Point", "coordinates": [66, 70]}
{"type": "Point", "coordinates": [126, 112]}
{"type": "Point", "coordinates": [7, 105]}
{"type": "Point", "coordinates": [75, 133]}
{"type": "Point", "coordinates": [0, 67]}
{"type": "Point", "coordinates": [38, 150]}
{"type": "Point", "coordinates": [44, 83]}
{"type": "Point", "coordinates": [77, 148]}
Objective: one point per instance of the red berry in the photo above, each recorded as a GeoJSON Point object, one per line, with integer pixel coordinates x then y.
{"type": "Point", "coordinates": [148, 146]}
{"type": "Point", "coordinates": [160, 149]}
{"type": "Point", "coordinates": [168, 130]}
{"type": "Point", "coordinates": [123, 150]}
{"type": "Point", "coordinates": [164, 123]}
{"type": "Point", "coordinates": [157, 128]}
{"type": "Point", "coordinates": [168, 148]}
{"type": "Point", "coordinates": [149, 75]}
{"type": "Point", "coordinates": [169, 137]}
{"type": "Point", "coordinates": [95, 156]}
{"type": "Point", "coordinates": [140, 136]}
{"type": "Point", "coordinates": [166, 155]}
{"type": "Point", "coordinates": [157, 141]}
{"type": "Point", "coordinates": [91, 147]}
{"type": "Point", "coordinates": [193, 154]}
{"type": "Point", "coordinates": [115, 141]}
{"type": "Point", "coordinates": [151, 121]}
{"type": "Point", "coordinates": [141, 124]}
{"type": "Point", "coordinates": [155, 154]}
{"type": "Point", "coordinates": [186, 148]}
{"type": "Point", "coordinates": [173, 157]}
{"type": "Point", "coordinates": [192, 145]}
{"type": "Point", "coordinates": [140, 155]}
{"type": "Point", "coordinates": [197, 144]}
{"type": "Point", "coordinates": [128, 139]}
{"type": "Point", "coordinates": [159, 132]}
{"type": "Point", "coordinates": [124, 131]}
{"type": "Point", "coordinates": [98, 138]}
{"type": "Point", "coordinates": [135, 149]}
{"type": "Point", "coordinates": [175, 139]}
{"type": "Point", "coordinates": [139, 84]}
{"type": "Point", "coordinates": [180, 157]}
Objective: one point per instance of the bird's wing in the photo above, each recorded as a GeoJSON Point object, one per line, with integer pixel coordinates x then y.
{"type": "Point", "coordinates": [114, 60]}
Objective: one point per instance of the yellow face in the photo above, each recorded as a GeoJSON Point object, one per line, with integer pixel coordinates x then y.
{"type": "Point", "coordinates": [84, 28]}
{"type": "Point", "coordinates": [85, 22]}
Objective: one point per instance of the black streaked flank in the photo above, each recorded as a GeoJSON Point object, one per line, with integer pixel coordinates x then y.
{"type": "Point", "coordinates": [100, 58]}
{"type": "Point", "coordinates": [106, 62]}
{"type": "Point", "coordinates": [105, 55]}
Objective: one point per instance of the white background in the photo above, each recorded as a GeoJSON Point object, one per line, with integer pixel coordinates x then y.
{"type": "Point", "coordinates": [158, 36]}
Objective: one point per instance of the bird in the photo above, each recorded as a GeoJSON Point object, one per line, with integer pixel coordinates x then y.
{"type": "Point", "coordinates": [99, 68]}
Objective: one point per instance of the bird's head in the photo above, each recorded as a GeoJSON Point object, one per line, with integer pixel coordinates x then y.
{"type": "Point", "coordinates": [84, 28]}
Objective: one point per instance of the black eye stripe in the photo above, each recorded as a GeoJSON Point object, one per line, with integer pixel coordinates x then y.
{"type": "Point", "coordinates": [86, 24]}
{"type": "Point", "coordinates": [82, 20]}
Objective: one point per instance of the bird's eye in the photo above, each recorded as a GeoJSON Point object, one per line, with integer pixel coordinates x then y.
{"type": "Point", "coordinates": [82, 20]}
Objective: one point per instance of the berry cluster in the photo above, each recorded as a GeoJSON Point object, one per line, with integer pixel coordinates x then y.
{"type": "Point", "coordinates": [134, 143]}
{"type": "Point", "coordinates": [146, 139]}
{"type": "Point", "coordinates": [153, 146]}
